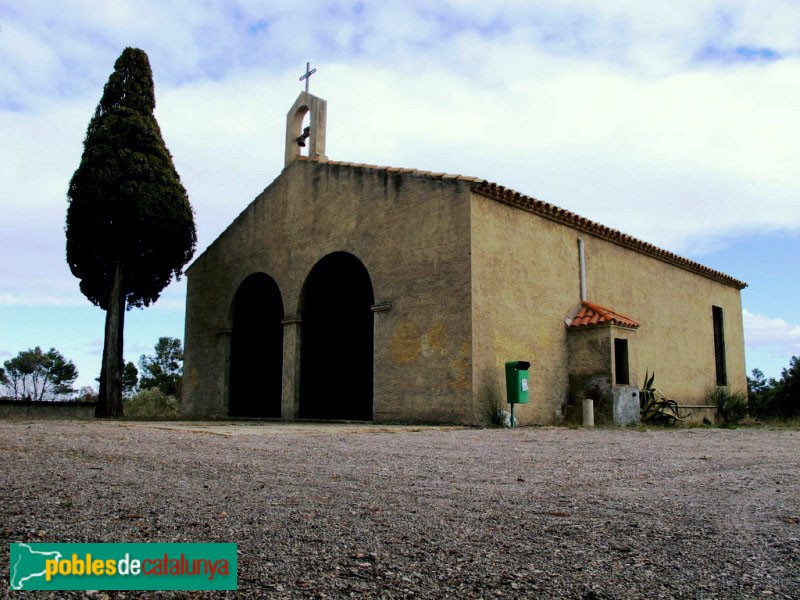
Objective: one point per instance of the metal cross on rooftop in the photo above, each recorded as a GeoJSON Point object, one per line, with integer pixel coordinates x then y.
{"type": "Point", "coordinates": [307, 75]}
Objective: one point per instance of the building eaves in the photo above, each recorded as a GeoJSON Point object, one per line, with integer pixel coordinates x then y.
{"type": "Point", "coordinates": [593, 314]}
{"type": "Point", "coordinates": [582, 224]}
{"type": "Point", "coordinates": [551, 212]}
{"type": "Point", "coordinates": [414, 172]}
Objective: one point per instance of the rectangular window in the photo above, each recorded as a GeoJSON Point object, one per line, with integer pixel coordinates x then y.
{"type": "Point", "coordinates": [621, 362]}
{"type": "Point", "coordinates": [719, 346]}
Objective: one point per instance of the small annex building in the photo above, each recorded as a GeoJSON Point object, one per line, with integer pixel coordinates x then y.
{"type": "Point", "coordinates": [353, 291]}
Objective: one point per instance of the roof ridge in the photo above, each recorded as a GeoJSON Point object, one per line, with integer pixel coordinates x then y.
{"type": "Point", "coordinates": [412, 171]}
{"type": "Point", "coordinates": [565, 217]}
{"type": "Point", "coordinates": [554, 213]}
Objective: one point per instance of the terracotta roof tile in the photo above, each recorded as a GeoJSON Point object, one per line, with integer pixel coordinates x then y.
{"type": "Point", "coordinates": [594, 314]}
{"type": "Point", "coordinates": [559, 215]}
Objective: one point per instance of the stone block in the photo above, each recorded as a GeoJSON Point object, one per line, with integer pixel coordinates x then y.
{"type": "Point", "coordinates": [626, 405]}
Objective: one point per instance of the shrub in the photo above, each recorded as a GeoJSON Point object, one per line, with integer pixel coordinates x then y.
{"type": "Point", "coordinates": [655, 407]}
{"type": "Point", "coordinates": [492, 408]}
{"type": "Point", "coordinates": [731, 406]}
{"type": "Point", "coordinates": [152, 403]}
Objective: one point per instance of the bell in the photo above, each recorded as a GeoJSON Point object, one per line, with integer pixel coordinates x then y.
{"type": "Point", "coordinates": [301, 141]}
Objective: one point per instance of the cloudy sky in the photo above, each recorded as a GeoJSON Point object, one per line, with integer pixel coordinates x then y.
{"type": "Point", "coordinates": [676, 122]}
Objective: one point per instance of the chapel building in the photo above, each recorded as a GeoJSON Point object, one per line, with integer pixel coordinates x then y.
{"type": "Point", "coordinates": [358, 292]}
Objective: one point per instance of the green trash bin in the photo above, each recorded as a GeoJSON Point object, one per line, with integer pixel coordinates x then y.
{"type": "Point", "coordinates": [517, 381]}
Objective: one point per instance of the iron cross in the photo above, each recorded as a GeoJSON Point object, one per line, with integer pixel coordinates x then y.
{"type": "Point", "coordinates": [307, 75]}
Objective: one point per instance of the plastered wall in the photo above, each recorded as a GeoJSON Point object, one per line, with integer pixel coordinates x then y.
{"type": "Point", "coordinates": [471, 282]}
{"type": "Point", "coordinates": [410, 232]}
{"type": "Point", "coordinates": [526, 281]}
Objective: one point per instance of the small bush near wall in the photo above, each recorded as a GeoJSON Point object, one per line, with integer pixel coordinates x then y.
{"type": "Point", "coordinates": [492, 413]}
{"type": "Point", "coordinates": [732, 406]}
{"type": "Point", "coordinates": [152, 403]}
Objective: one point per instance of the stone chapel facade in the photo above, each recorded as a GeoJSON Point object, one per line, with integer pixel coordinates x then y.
{"type": "Point", "coordinates": [352, 291]}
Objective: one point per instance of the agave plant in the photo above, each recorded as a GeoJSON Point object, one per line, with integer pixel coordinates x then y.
{"type": "Point", "coordinates": [655, 407]}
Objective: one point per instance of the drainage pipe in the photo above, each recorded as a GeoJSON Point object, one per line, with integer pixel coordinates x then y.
{"type": "Point", "coordinates": [582, 263]}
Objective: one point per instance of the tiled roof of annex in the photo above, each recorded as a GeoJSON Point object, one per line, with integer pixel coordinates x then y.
{"type": "Point", "coordinates": [593, 314]}
{"type": "Point", "coordinates": [554, 213]}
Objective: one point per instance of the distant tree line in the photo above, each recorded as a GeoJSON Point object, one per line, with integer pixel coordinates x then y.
{"type": "Point", "coordinates": [775, 398]}
{"type": "Point", "coordinates": [163, 370]}
{"type": "Point", "coordinates": [156, 393]}
{"type": "Point", "coordinates": [38, 376]}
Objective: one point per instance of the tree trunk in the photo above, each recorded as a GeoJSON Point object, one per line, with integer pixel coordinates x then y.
{"type": "Point", "coordinates": [101, 408]}
{"type": "Point", "coordinates": [109, 402]}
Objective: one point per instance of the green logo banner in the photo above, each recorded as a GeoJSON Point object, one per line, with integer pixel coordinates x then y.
{"type": "Point", "coordinates": [122, 566]}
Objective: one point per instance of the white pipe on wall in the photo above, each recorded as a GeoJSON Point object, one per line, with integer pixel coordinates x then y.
{"type": "Point", "coordinates": [582, 263]}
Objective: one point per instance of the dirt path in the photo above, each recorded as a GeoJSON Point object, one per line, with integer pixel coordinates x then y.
{"type": "Point", "coordinates": [395, 512]}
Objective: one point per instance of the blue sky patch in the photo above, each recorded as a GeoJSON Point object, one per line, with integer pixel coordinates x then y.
{"type": "Point", "coordinates": [736, 54]}
{"type": "Point", "coordinates": [259, 26]}
{"type": "Point", "coordinates": [607, 112]}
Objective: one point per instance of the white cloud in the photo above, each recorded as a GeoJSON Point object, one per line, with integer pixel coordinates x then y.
{"type": "Point", "coordinates": [770, 342]}
{"type": "Point", "coordinates": [763, 331]}
{"type": "Point", "coordinates": [77, 300]}
{"type": "Point", "coordinates": [598, 110]}
{"type": "Point", "coordinates": [177, 303]}
{"type": "Point", "coordinates": [35, 299]}
{"type": "Point", "coordinates": [94, 347]}
{"type": "Point", "coordinates": [644, 116]}
{"type": "Point", "coordinates": [637, 154]}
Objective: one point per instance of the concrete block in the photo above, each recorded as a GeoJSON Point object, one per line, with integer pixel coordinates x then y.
{"type": "Point", "coordinates": [588, 412]}
{"type": "Point", "coordinates": [626, 405]}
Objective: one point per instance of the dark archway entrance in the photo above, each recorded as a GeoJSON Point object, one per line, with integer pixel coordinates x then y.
{"type": "Point", "coordinates": [256, 349]}
{"type": "Point", "coordinates": [336, 347]}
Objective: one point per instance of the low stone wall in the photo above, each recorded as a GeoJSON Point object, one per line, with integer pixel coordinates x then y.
{"type": "Point", "coordinates": [27, 409]}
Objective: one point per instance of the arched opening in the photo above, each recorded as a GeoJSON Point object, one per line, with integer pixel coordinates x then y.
{"type": "Point", "coordinates": [303, 129]}
{"type": "Point", "coordinates": [256, 349]}
{"type": "Point", "coordinates": [336, 347]}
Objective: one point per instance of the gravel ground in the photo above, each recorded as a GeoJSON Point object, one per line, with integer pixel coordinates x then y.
{"type": "Point", "coordinates": [339, 511]}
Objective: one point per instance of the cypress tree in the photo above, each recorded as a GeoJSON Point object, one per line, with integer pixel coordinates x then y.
{"type": "Point", "coordinates": [130, 227]}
